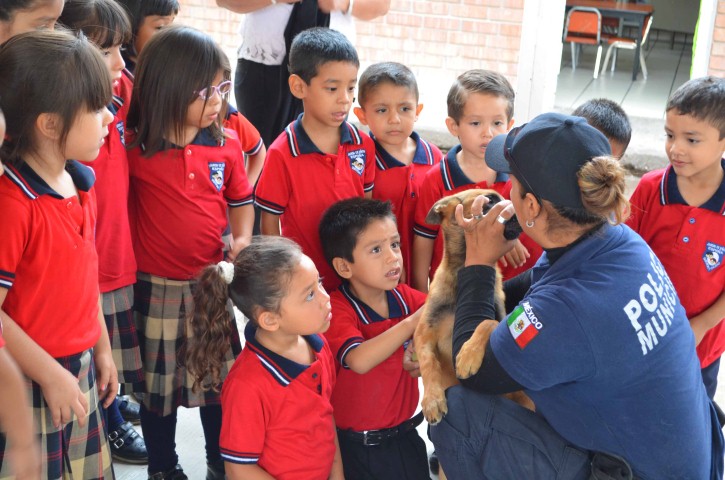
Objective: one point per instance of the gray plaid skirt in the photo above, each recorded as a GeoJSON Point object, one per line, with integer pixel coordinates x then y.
{"type": "Point", "coordinates": [161, 307]}
{"type": "Point", "coordinates": [118, 313]}
{"type": "Point", "coordinates": [69, 452]}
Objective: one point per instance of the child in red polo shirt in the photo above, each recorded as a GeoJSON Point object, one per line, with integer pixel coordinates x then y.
{"type": "Point", "coordinates": [187, 177]}
{"type": "Point", "coordinates": [389, 107]}
{"type": "Point", "coordinates": [320, 158]}
{"type": "Point", "coordinates": [276, 399]}
{"type": "Point", "coordinates": [679, 212]}
{"type": "Point", "coordinates": [49, 292]}
{"type": "Point", "coordinates": [373, 317]}
{"type": "Point", "coordinates": [480, 106]}
{"type": "Point", "coordinates": [106, 24]}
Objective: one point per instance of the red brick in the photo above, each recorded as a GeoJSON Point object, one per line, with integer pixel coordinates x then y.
{"type": "Point", "coordinates": [442, 23]}
{"type": "Point", "coordinates": [717, 63]}
{"type": "Point", "coordinates": [467, 11]}
{"type": "Point", "coordinates": [433, 8]}
{"type": "Point", "coordinates": [718, 49]}
{"type": "Point", "coordinates": [510, 29]}
{"type": "Point", "coordinates": [479, 26]}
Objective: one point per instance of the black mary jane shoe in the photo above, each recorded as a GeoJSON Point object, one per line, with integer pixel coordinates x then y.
{"type": "Point", "coordinates": [176, 473]}
{"type": "Point", "coordinates": [215, 470]}
{"type": "Point", "coordinates": [130, 410]}
{"type": "Point", "coordinates": [127, 445]}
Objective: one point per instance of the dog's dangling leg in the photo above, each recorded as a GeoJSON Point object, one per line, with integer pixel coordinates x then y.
{"type": "Point", "coordinates": [470, 356]}
{"type": "Point", "coordinates": [434, 403]}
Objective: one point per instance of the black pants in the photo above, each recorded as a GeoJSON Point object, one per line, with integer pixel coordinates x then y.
{"type": "Point", "coordinates": [160, 436]}
{"type": "Point", "coordinates": [401, 458]}
{"type": "Point", "coordinates": [259, 96]}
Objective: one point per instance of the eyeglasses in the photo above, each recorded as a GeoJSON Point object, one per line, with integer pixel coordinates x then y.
{"type": "Point", "coordinates": [222, 89]}
{"type": "Point", "coordinates": [508, 144]}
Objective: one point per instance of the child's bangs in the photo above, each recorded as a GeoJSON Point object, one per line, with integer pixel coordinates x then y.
{"type": "Point", "coordinates": [162, 8]}
{"type": "Point", "coordinates": [91, 77]}
{"type": "Point", "coordinates": [111, 26]}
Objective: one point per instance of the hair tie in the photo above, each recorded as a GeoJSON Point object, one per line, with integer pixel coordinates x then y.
{"type": "Point", "coordinates": [226, 270]}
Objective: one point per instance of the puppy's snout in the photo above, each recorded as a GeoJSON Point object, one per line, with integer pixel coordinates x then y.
{"type": "Point", "coordinates": [512, 229]}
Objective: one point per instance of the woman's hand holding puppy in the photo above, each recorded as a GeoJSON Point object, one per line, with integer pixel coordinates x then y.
{"type": "Point", "coordinates": [485, 243]}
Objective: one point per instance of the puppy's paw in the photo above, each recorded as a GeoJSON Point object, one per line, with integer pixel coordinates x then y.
{"type": "Point", "coordinates": [434, 404]}
{"type": "Point", "coordinates": [469, 359]}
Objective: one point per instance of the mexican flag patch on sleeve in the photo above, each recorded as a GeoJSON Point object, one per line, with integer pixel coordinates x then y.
{"type": "Point", "coordinates": [523, 324]}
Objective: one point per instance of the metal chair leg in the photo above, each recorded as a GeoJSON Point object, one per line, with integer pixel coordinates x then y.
{"type": "Point", "coordinates": [596, 63]}
{"type": "Point", "coordinates": [606, 58]}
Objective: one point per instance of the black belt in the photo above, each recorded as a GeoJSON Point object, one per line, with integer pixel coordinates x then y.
{"type": "Point", "coordinates": [376, 437]}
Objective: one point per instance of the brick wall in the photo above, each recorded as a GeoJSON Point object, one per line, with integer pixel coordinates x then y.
{"type": "Point", "coordinates": [717, 54]}
{"type": "Point", "coordinates": [437, 39]}
{"type": "Point", "coordinates": [424, 34]}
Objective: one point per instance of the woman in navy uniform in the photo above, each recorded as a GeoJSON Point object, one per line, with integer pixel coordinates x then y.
{"type": "Point", "coordinates": [595, 335]}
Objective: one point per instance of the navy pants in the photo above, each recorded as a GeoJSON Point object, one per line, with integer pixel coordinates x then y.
{"type": "Point", "coordinates": [491, 437]}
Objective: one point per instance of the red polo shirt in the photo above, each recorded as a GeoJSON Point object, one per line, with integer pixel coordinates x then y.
{"type": "Point", "coordinates": [401, 183]}
{"type": "Point", "coordinates": [116, 260]}
{"type": "Point", "coordinates": [299, 182]}
{"type": "Point", "coordinates": [48, 260]}
{"type": "Point", "coordinates": [387, 395]}
{"type": "Point", "coordinates": [277, 413]}
{"type": "Point", "coordinates": [179, 200]}
{"type": "Point", "coordinates": [690, 243]}
{"type": "Point", "coordinates": [248, 136]}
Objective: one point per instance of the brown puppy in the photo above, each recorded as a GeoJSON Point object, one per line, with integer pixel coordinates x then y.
{"type": "Point", "coordinates": [432, 337]}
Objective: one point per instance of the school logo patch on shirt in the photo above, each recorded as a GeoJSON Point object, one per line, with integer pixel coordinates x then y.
{"type": "Point", "coordinates": [216, 174]}
{"type": "Point", "coordinates": [119, 127]}
{"type": "Point", "coordinates": [357, 160]}
{"type": "Point", "coordinates": [523, 324]}
{"type": "Point", "coordinates": [713, 256]}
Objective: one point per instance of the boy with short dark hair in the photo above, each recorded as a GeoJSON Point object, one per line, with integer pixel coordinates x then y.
{"type": "Point", "coordinates": [388, 98]}
{"type": "Point", "coordinates": [373, 318]}
{"type": "Point", "coordinates": [320, 158]}
{"type": "Point", "coordinates": [480, 106]}
{"type": "Point", "coordinates": [609, 118]}
{"type": "Point", "coordinates": [678, 211]}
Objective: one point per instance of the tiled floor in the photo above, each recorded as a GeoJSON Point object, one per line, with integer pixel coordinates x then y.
{"type": "Point", "coordinates": [668, 67]}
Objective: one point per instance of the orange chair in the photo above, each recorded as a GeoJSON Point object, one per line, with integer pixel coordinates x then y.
{"type": "Point", "coordinates": [584, 27]}
{"type": "Point", "coordinates": [629, 44]}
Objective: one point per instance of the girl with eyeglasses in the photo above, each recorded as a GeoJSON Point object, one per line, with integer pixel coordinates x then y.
{"type": "Point", "coordinates": [187, 179]}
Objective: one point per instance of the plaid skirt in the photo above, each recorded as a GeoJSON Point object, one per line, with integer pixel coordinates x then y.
{"type": "Point", "coordinates": [118, 313]}
{"type": "Point", "coordinates": [161, 308]}
{"type": "Point", "coordinates": [70, 452]}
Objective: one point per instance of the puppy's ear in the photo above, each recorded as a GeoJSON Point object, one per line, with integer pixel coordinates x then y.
{"type": "Point", "coordinates": [436, 212]}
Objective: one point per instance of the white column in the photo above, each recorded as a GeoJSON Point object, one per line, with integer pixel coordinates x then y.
{"type": "Point", "coordinates": [705, 28]}
{"type": "Point", "coordinates": [539, 57]}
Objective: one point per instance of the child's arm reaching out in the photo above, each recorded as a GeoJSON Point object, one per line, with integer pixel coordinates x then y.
{"type": "Point", "coordinates": [375, 351]}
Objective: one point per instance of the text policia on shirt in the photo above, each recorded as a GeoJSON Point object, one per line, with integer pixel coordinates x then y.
{"type": "Point", "coordinates": [652, 312]}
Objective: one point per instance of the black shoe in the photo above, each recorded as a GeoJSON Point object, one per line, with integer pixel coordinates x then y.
{"type": "Point", "coordinates": [433, 463]}
{"type": "Point", "coordinates": [130, 411]}
{"type": "Point", "coordinates": [176, 473]}
{"type": "Point", "coordinates": [127, 446]}
{"type": "Point", "coordinates": [215, 470]}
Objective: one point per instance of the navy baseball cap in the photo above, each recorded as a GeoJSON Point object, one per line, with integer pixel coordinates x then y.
{"type": "Point", "coordinates": [546, 154]}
